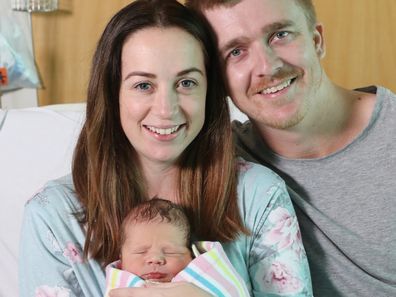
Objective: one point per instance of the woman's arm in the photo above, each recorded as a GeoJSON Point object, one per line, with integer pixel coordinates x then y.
{"type": "Point", "coordinates": [278, 262]}
{"type": "Point", "coordinates": [50, 256]}
{"type": "Point", "coordinates": [273, 254]}
{"type": "Point", "coordinates": [42, 266]}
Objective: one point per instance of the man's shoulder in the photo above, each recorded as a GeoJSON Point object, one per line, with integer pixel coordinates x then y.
{"type": "Point", "coordinates": [384, 92]}
{"type": "Point", "coordinates": [378, 91]}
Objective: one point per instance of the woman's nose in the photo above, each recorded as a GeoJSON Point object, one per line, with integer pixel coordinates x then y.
{"type": "Point", "coordinates": [166, 103]}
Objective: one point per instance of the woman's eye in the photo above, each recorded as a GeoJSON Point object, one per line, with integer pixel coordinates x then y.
{"type": "Point", "coordinates": [143, 86]}
{"type": "Point", "coordinates": [187, 83]}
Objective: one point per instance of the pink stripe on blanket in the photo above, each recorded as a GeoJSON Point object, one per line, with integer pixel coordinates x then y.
{"type": "Point", "coordinates": [125, 279]}
{"type": "Point", "coordinates": [212, 266]}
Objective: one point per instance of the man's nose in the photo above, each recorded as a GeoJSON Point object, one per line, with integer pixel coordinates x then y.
{"type": "Point", "coordinates": [265, 60]}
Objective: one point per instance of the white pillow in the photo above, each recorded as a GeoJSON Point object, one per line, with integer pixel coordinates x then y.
{"type": "Point", "coordinates": [36, 145]}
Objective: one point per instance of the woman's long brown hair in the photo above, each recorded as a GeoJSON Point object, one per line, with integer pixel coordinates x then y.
{"type": "Point", "coordinates": [107, 177]}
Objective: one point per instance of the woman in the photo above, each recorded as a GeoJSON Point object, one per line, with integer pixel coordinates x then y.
{"type": "Point", "coordinates": [157, 125]}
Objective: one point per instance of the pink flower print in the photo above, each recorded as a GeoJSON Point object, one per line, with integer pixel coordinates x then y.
{"type": "Point", "coordinates": [285, 232]}
{"type": "Point", "coordinates": [46, 291]}
{"type": "Point", "coordinates": [243, 166]}
{"type": "Point", "coordinates": [280, 279]}
{"type": "Point", "coordinates": [73, 253]}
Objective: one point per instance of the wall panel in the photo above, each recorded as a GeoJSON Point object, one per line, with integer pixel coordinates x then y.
{"type": "Point", "coordinates": [361, 41]}
{"type": "Point", "coordinates": [64, 43]}
{"type": "Point", "coordinates": [360, 37]}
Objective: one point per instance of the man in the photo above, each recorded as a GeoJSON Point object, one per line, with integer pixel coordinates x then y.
{"type": "Point", "coordinates": [334, 147]}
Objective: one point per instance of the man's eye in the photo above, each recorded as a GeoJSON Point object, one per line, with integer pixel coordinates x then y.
{"type": "Point", "coordinates": [281, 34]}
{"type": "Point", "coordinates": [235, 52]}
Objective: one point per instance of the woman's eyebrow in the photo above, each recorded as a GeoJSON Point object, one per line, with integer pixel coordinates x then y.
{"type": "Point", "coordinates": [139, 73]}
{"type": "Point", "coordinates": [151, 75]}
{"type": "Point", "coordinates": [192, 69]}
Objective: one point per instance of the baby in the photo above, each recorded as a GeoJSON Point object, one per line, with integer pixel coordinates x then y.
{"type": "Point", "coordinates": [155, 241]}
{"type": "Point", "coordinates": [155, 247]}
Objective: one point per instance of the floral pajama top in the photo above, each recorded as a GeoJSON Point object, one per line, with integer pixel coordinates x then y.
{"type": "Point", "coordinates": [272, 260]}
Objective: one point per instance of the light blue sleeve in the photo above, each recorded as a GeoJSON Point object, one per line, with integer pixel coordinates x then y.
{"type": "Point", "coordinates": [275, 256]}
{"type": "Point", "coordinates": [50, 257]}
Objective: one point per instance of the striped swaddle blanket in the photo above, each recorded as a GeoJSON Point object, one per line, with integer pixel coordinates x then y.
{"type": "Point", "coordinates": [210, 270]}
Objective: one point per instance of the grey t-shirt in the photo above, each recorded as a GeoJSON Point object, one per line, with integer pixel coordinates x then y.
{"type": "Point", "coordinates": [346, 204]}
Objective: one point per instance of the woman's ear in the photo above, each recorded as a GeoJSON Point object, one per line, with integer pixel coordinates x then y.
{"type": "Point", "coordinates": [318, 39]}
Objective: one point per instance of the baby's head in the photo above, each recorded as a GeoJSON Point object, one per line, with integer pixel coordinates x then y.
{"type": "Point", "coordinates": [155, 240]}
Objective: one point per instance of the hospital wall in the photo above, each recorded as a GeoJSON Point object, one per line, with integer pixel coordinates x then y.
{"type": "Point", "coordinates": [360, 44]}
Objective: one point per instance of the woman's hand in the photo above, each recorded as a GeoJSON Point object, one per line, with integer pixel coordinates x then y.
{"type": "Point", "coordinates": [178, 289]}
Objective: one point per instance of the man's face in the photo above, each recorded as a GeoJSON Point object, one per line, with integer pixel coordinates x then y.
{"type": "Point", "coordinates": [271, 58]}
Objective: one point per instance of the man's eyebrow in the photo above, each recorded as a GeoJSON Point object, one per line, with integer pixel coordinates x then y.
{"type": "Point", "coordinates": [265, 30]}
{"type": "Point", "coordinates": [277, 26]}
{"type": "Point", "coordinates": [233, 43]}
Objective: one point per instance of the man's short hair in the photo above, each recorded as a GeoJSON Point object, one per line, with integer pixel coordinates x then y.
{"type": "Point", "coordinates": [202, 5]}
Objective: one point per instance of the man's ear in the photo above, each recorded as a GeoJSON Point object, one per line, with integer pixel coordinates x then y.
{"type": "Point", "coordinates": [318, 39]}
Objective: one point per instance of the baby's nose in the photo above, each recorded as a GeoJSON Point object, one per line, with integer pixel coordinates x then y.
{"type": "Point", "coordinates": [156, 259]}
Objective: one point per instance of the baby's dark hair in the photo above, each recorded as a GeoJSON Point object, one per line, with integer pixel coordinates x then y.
{"type": "Point", "coordinates": [158, 210]}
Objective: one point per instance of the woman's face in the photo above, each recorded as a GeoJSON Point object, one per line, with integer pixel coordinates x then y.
{"type": "Point", "coordinates": [163, 92]}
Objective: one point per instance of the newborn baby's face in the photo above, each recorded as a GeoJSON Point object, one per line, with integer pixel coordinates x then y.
{"type": "Point", "coordinates": [155, 251]}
